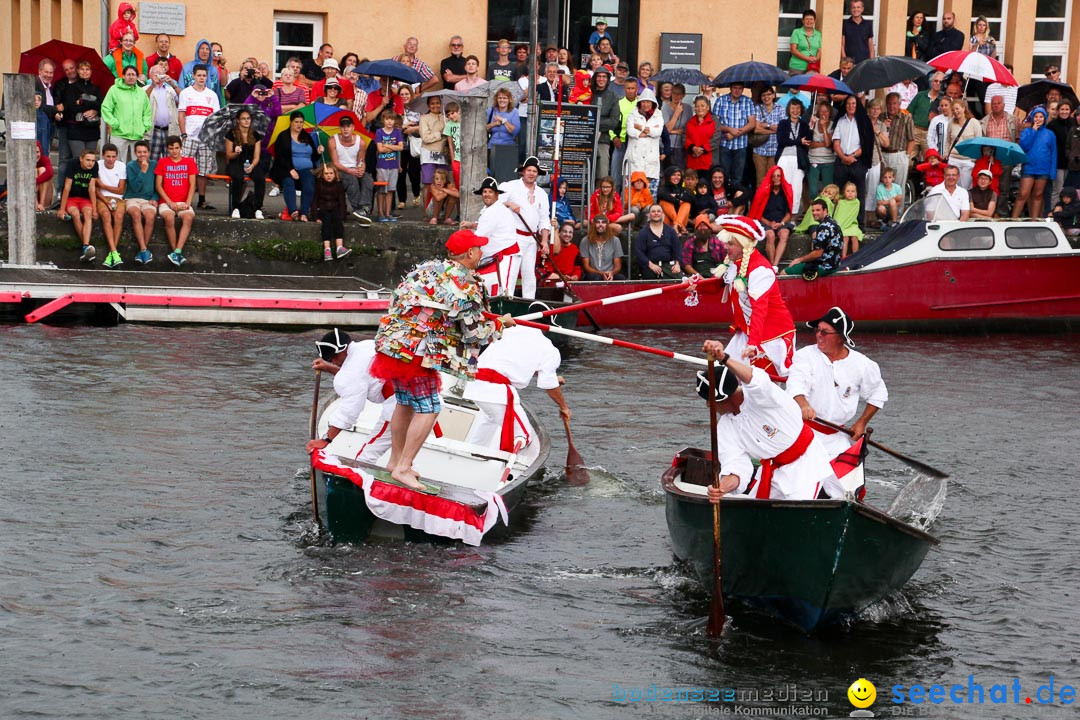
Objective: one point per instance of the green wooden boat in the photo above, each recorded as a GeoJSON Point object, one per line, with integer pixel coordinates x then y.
{"type": "Point", "coordinates": [812, 563]}
{"type": "Point", "coordinates": [545, 298]}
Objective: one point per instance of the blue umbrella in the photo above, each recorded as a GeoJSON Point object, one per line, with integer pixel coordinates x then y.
{"type": "Point", "coordinates": [1009, 153]}
{"type": "Point", "coordinates": [390, 69]}
{"type": "Point", "coordinates": [816, 81]}
{"type": "Point", "coordinates": [750, 72]}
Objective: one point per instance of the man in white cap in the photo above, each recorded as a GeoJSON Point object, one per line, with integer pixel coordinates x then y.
{"type": "Point", "coordinates": [827, 380]}
{"type": "Point", "coordinates": [504, 367]}
{"type": "Point", "coordinates": [348, 362]}
{"type": "Point", "coordinates": [332, 71]}
{"type": "Point", "coordinates": [758, 421]}
{"type": "Point", "coordinates": [532, 211]}
{"type": "Point", "coordinates": [763, 331]}
{"type": "Point", "coordinates": [501, 259]}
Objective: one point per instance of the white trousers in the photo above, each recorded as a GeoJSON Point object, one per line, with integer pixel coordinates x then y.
{"type": "Point", "coordinates": [376, 445]}
{"type": "Point", "coordinates": [503, 279]}
{"type": "Point", "coordinates": [776, 349]}
{"type": "Point", "coordinates": [528, 267]}
{"type": "Point", "coordinates": [486, 430]}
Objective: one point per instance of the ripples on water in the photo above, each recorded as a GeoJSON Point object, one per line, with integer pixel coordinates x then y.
{"type": "Point", "coordinates": [156, 554]}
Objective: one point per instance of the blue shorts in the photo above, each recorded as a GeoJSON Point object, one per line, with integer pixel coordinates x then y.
{"type": "Point", "coordinates": [1035, 177]}
{"type": "Point", "coordinates": [420, 393]}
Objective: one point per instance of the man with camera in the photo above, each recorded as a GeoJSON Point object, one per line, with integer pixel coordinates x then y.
{"type": "Point", "coordinates": [239, 89]}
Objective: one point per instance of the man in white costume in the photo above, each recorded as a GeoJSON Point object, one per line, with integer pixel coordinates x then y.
{"type": "Point", "coordinates": [348, 362]}
{"type": "Point", "coordinates": [504, 367]}
{"type": "Point", "coordinates": [759, 421]}
{"type": "Point", "coordinates": [828, 379]}
{"type": "Point", "coordinates": [530, 201]}
{"type": "Point", "coordinates": [500, 263]}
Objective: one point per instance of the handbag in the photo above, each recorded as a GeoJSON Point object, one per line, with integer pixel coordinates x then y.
{"type": "Point", "coordinates": [757, 140]}
{"type": "Point", "coordinates": [414, 145]}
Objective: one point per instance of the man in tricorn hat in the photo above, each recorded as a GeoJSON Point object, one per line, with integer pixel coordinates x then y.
{"type": "Point", "coordinates": [828, 378]}
{"type": "Point", "coordinates": [760, 422]}
{"type": "Point", "coordinates": [532, 211]}
{"type": "Point", "coordinates": [763, 331]}
{"type": "Point", "coordinates": [349, 361]}
{"type": "Point", "coordinates": [435, 324]}
{"type": "Point", "coordinates": [500, 263]}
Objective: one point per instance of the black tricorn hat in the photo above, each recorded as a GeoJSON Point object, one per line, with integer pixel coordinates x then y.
{"type": "Point", "coordinates": [726, 383]}
{"type": "Point", "coordinates": [840, 322]}
{"type": "Point", "coordinates": [532, 161]}
{"type": "Point", "coordinates": [488, 183]}
{"type": "Point", "coordinates": [332, 343]}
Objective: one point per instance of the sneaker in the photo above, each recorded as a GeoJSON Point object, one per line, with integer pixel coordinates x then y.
{"type": "Point", "coordinates": [342, 251]}
{"type": "Point", "coordinates": [203, 205]}
{"type": "Point", "coordinates": [259, 215]}
{"type": "Point", "coordinates": [285, 215]}
{"type": "Point", "coordinates": [144, 257]}
{"type": "Point", "coordinates": [236, 214]}
{"type": "Point", "coordinates": [176, 258]}
{"type": "Point", "coordinates": [383, 219]}
{"type": "Point", "coordinates": [362, 218]}
{"type": "Point", "coordinates": [327, 256]}
{"type": "Point", "coordinates": [392, 218]}
{"type": "Point", "coordinates": [88, 253]}
{"type": "Point", "coordinates": [274, 191]}
{"type": "Point", "coordinates": [109, 262]}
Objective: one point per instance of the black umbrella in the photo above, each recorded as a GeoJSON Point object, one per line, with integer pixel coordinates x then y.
{"type": "Point", "coordinates": [686, 76]}
{"type": "Point", "coordinates": [218, 125]}
{"type": "Point", "coordinates": [1032, 94]}
{"type": "Point", "coordinates": [882, 72]}
{"type": "Point", "coordinates": [751, 72]}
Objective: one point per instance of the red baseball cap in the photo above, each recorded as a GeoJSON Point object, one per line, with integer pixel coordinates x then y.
{"type": "Point", "coordinates": [460, 242]}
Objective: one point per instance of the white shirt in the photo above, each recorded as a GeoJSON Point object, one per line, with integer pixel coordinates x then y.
{"type": "Point", "coordinates": [499, 225]}
{"type": "Point", "coordinates": [537, 212]}
{"type": "Point", "coordinates": [958, 200]}
{"type": "Point", "coordinates": [936, 132]}
{"type": "Point", "coordinates": [196, 107]}
{"type": "Point", "coordinates": [768, 423]}
{"type": "Point", "coordinates": [519, 354]}
{"type": "Point", "coordinates": [1007, 92]}
{"type": "Point", "coordinates": [355, 386]}
{"type": "Point", "coordinates": [907, 93]}
{"type": "Point", "coordinates": [832, 388]}
{"type": "Point", "coordinates": [847, 132]}
{"type": "Point", "coordinates": [112, 177]}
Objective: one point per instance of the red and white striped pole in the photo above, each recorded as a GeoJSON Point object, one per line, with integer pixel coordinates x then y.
{"type": "Point", "coordinates": [692, 284]}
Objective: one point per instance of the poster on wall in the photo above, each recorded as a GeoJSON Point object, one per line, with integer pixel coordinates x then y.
{"type": "Point", "coordinates": [577, 144]}
{"type": "Point", "coordinates": [169, 18]}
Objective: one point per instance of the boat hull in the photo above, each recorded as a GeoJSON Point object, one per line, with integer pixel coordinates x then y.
{"type": "Point", "coordinates": [942, 293]}
{"type": "Point", "coordinates": [811, 563]}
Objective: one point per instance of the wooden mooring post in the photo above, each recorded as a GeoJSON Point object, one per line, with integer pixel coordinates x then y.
{"type": "Point", "coordinates": [21, 165]}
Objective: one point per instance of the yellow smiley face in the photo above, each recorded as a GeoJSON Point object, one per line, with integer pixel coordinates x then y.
{"type": "Point", "coordinates": [862, 693]}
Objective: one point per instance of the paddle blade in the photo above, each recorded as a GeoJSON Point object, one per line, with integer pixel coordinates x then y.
{"type": "Point", "coordinates": [576, 472]}
{"type": "Point", "coordinates": [717, 616]}
{"type": "Point", "coordinates": [920, 501]}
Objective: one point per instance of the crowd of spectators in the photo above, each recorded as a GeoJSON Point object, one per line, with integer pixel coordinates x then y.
{"type": "Point", "coordinates": [688, 158]}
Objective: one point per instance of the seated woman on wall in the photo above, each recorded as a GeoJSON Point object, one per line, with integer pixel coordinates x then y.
{"type": "Point", "coordinates": [674, 199]}
{"type": "Point", "coordinates": [772, 207]}
{"type": "Point", "coordinates": [607, 202]}
{"type": "Point", "coordinates": [601, 253]}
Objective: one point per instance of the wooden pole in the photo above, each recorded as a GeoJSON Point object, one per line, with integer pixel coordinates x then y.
{"type": "Point", "coordinates": [22, 172]}
{"type": "Point", "coordinates": [473, 153]}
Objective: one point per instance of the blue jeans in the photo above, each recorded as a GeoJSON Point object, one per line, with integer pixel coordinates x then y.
{"type": "Point", "coordinates": [733, 162]}
{"type": "Point", "coordinates": [617, 155]}
{"type": "Point", "coordinates": [307, 191]}
{"type": "Point", "coordinates": [44, 131]}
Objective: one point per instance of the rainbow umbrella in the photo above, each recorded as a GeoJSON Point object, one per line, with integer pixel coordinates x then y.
{"type": "Point", "coordinates": [326, 119]}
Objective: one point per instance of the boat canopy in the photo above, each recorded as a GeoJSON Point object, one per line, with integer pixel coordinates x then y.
{"type": "Point", "coordinates": [897, 238]}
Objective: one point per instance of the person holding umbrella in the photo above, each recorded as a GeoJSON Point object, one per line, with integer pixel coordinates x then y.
{"type": "Point", "coordinates": [243, 147]}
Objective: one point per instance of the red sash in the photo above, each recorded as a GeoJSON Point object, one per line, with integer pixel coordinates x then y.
{"type": "Point", "coordinates": [526, 233]}
{"type": "Point", "coordinates": [493, 266]}
{"type": "Point", "coordinates": [506, 437]}
{"type": "Point", "coordinates": [793, 453]}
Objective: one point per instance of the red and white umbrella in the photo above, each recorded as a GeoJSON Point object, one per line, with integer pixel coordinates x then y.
{"type": "Point", "coordinates": [974, 66]}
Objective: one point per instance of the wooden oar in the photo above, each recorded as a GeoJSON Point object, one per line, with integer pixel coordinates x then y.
{"type": "Point", "coordinates": [616, 299]}
{"type": "Point", "coordinates": [911, 462]}
{"type": "Point", "coordinates": [314, 427]}
{"type": "Point", "coordinates": [565, 280]}
{"type": "Point", "coordinates": [717, 616]}
{"type": "Point", "coordinates": [576, 473]}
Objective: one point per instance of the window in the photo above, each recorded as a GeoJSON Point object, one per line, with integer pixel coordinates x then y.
{"type": "Point", "coordinates": [1051, 33]}
{"type": "Point", "coordinates": [1025, 238]}
{"type": "Point", "coordinates": [931, 9]}
{"type": "Point", "coordinates": [968, 239]}
{"type": "Point", "coordinates": [790, 18]}
{"type": "Point", "coordinates": [298, 34]}
{"type": "Point", "coordinates": [995, 12]}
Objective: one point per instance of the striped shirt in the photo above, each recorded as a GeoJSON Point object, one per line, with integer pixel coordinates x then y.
{"type": "Point", "coordinates": [768, 149]}
{"type": "Point", "coordinates": [733, 114]}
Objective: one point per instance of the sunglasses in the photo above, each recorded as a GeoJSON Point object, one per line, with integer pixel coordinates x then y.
{"type": "Point", "coordinates": [825, 332]}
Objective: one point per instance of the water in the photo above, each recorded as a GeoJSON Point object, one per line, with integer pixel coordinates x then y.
{"type": "Point", "coordinates": [156, 555]}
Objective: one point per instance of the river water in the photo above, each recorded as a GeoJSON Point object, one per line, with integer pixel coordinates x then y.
{"type": "Point", "coordinates": [157, 556]}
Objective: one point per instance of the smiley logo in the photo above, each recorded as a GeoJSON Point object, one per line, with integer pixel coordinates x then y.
{"type": "Point", "coordinates": [862, 693]}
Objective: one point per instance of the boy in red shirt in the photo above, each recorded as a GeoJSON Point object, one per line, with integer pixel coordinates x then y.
{"type": "Point", "coordinates": [933, 171]}
{"type": "Point", "coordinates": [175, 184]}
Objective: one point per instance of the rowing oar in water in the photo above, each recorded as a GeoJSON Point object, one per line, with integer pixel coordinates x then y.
{"type": "Point", "coordinates": [717, 616]}
{"type": "Point", "coordinates": [576, 472]}
{"type": "Point", "coordinates": [314, 427]}
{"type": "Point", "coordinates": [911, 462]}
{"type": "Point", "coordinates": [692, 284]}
{"type": "Point", "coordinates": [565, 280]}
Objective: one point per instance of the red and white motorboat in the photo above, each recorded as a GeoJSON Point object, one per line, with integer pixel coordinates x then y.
{"type": "Point", "coordinates": [925, 272]}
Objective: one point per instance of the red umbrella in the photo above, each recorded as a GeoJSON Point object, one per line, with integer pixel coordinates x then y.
{"type": "Point", "coordinates": [974, 66]}
{"type": "Point", "coordinates": [58, 51]}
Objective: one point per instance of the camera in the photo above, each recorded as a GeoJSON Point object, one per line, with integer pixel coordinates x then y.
{"type": "Point", "coordinates": [249, 73]}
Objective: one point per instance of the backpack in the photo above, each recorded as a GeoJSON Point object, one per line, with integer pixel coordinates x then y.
{"type": "Point", "coordinates": [247, 207]}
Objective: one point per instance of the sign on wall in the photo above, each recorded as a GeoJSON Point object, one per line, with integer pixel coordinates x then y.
{"type": "Point", "coordinates": [680, 50]}
{"type": "Point", "coordinates": [169, 18]}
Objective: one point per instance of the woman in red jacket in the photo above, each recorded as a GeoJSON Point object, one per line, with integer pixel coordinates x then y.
{"type": "Point", "coordinates": [699, 132]}
{"type": "Point", "coordinates": [605, 201]}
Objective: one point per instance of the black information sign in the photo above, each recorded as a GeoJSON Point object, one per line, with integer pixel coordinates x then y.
{"type": "Point", "coordinates": [680, 50]}
{"type": "Point", "coordinates": [577, 146]}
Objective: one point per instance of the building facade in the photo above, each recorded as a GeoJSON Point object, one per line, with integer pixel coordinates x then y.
{"type": "Point", "coordinates": [1031, 33]}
